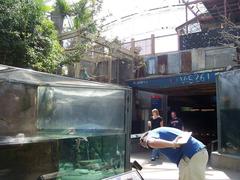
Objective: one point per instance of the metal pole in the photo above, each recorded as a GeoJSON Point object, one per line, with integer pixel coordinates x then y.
{"type": "Point", "coordinates": [110, 70]}
{"type": "Point", "coordinates": [187, 5]}
{"type": "Point", "coordinates": [153, 44]}
{"type": "Point", "coordinates": [132, 45]}
{"type": "Point", "coordinates": [118, 70]}
{"type": "Point", "coordinates": [225, 8]}
{"type": "Point", "coordinates": [219, 126]}
{"type": "Point", "coordinates": [186, 13]}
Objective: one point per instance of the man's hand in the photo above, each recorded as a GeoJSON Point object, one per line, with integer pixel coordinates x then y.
{"type": "Point", "coordinates": [175, 142]}
{"type": "Point", "coordinates": [149, 125]}
{"type": "Point", "coordinates": [177, 138]}
{"type": "Point", "coordinates": [144, 140]}
{"type": "Point", "coordinates": [183, 138]}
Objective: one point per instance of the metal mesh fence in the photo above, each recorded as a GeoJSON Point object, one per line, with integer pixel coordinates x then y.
{"type": "Point", "coordinates": [144, 45]}
{"type": "Point", "coordinates": [159, 44]}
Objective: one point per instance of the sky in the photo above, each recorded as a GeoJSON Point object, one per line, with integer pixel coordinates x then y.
{"type": "Point", "coordinates": [157, 17]}
{"type": "Point", "coordinates": [144, 22]}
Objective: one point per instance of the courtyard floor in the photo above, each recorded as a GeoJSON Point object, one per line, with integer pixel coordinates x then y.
{"type": "Point", "coordinates": [162, 169]}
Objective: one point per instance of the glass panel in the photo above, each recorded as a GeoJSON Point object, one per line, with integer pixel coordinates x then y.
{"type": "Point", "coordinates": [62, 133]}
{"type": "Point", "coordinates": [94, 157]}
{"type": "Point", "coordinates": [229, 107]}
{"type": "Point", "coordinates": [61, 108]}
{"type": "Point", "coordinates": [17, 109]}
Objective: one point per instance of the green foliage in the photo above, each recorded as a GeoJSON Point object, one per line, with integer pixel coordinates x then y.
{"type": "Point", "coordinates": [27, 37]}
{"type": "Point", "coordinates": [62, 7]}
{"type": "Point", "coordinates": [45, 52]}
{"type": "Point", "coordinates": [82, 13]}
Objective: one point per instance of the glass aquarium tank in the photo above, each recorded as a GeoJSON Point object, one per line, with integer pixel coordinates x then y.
{"type": "Point", "coordinates": [55, 127]}
{"type": "Point", "coordinates": [228, 90]}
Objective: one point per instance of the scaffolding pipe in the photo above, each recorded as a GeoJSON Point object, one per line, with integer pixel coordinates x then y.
{"type": "Point", "coordinates": [225, 8]}
{"type": "Point", "coordinates": [187, 5]}
{"type": "Point", "coordinates": [198, 1]}
{"type": "Point", "coordinates": [186, 11]}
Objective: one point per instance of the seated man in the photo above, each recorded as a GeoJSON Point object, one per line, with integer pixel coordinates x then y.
{"type": "Point", "coordinates": [191, 157]}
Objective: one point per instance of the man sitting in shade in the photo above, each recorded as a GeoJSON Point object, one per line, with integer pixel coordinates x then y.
{"type": "Point", "coordinates": [188, 153]}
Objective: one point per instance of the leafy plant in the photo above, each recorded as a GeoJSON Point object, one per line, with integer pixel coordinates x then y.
{"type": "Point", "coordinates": [27, 37]}
{"type": "Point", "coordinates": [82, 13]}
{"type": "Point", "coordinates": [62, 7]}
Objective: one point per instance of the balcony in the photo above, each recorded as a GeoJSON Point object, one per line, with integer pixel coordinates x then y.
{"type": "Point", "coordinates": [188, 61]}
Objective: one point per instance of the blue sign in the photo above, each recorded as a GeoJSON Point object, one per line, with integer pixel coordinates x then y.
{"type": "Point", "coordinates": [174, 81]}
{"type": "Point", "coordinates": [156, 103]}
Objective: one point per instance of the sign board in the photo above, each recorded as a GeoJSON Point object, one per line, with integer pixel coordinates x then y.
{"type": "Point", "coordinates": [174, 81]}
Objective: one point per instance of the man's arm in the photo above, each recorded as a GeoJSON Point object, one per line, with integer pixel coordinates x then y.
{"type": "Point", "coordinates": [161, 123]}
{"type": "Point", "coordinates": [160, 143]}
{"type": "Point", "coordinates": [149, 125]}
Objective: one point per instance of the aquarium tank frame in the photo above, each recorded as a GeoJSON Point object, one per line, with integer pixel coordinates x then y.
{"type": "Point", "coordinates": [11, 76]}
{"type": "Point", "coordinates": [228, 109]}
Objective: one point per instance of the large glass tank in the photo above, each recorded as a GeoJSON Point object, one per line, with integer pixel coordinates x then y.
{"type": "Point", "coordinates": [54, 127]}
{"type": "Point", "coordinates": [228, 91]}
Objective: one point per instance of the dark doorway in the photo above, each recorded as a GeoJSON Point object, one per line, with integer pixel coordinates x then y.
{"type": "Point", "coordinates": [198, 114]}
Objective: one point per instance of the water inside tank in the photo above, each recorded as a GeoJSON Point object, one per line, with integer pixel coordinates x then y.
{"type": "Point", "coordinates": [83, 157]}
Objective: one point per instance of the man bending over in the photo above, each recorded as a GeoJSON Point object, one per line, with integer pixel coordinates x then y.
{"type": "Point", "coordinates": [191, 156]}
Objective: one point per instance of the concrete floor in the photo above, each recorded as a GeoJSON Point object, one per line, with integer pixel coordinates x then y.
{"type": "Point", "coordinates": [162, 169]}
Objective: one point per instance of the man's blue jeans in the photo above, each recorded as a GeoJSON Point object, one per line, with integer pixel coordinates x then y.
{"type": "Point", "coordinates": [155, 153]}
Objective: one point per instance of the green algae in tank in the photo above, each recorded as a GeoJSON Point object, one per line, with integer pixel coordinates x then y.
{"type": "Point", "coordinates": [93, 157]}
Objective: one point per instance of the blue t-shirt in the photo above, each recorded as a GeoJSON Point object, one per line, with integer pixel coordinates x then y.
{"type": "Point", "coordinates": [167, 133]}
